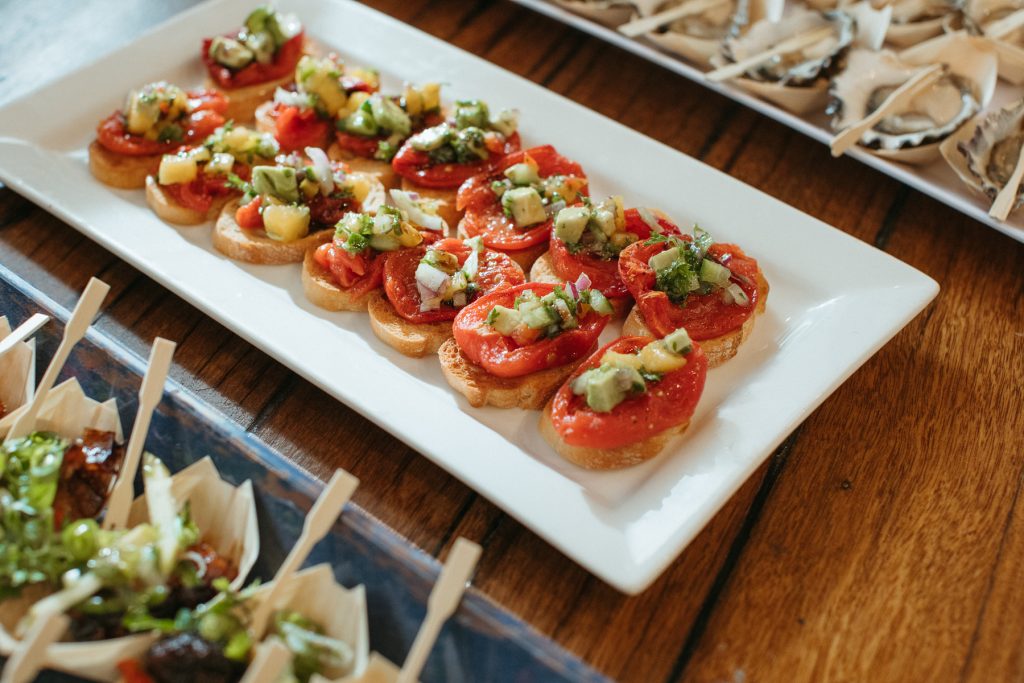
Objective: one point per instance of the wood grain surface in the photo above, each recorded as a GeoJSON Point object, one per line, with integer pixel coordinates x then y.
{"type": "Point", "coordinates": [884, 541]}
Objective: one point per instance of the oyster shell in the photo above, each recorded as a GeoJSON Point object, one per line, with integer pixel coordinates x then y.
{"type": "Point", "coordinates": [698, 37]}
{"type": "Point", "coordinates": [978, 15]}
{"type": "Point", "coordinates": [985, 155]}
{"type": "Point", "coordinates": [914, 21]}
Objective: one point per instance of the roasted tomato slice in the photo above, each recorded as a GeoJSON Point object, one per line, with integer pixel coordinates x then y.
{"type": "Point", "coordinates": [666, 403]}
{"type": "Point", "coordinates": [496, 271]}
{"type": "Point", "coordinates": [484, 213]}
{"type": "Point", "coordinates": [296, 129]}
{"type": "Point", "coordinates": [705, 316]}
{"type": "Point", "coordinates": [200, 194]}
{"type": "Point", "coordinates": [254, 73]}
{"type": "Point", "coordinates": [417, 166]}
{"type": "Point", "coordinates": [357, 274]}
{"type": "Point", "coordinates": [503, 356]}
{"type": "Point", "coordinates": [603, 273]}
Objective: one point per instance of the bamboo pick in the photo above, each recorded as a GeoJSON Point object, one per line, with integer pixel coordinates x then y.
{"type": "Point", "coordinates": [1007, 196]}
{"type": "Point", "coordinates": [849, 136]}
{"type": "Point", "coordinates": [120, 500]}
{"type": "Point", "coordinates": [797, 42]}
{"type": "Point", "coordinates": [83, 315]}
{"type": "Point", "coordinates": [443, 600]}
{"type": "Point", "coordinates": [30, 656]}
{"type": "Point", "coordinates": [1005, 26]}
{"type": "Point", "coordinates": [22, 332]}
{"type": "Point", "coordinates": [642, 25]}
{"type": "Point", "coordinates": [318, 522]}
{"type": "Point", "coordinates": [268, 662]}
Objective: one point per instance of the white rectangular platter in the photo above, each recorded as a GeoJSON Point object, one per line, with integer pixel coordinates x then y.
{"type": "Point", "coordinates": [834, 300]}
{"type": "Point", "coordinates": [935, 179]}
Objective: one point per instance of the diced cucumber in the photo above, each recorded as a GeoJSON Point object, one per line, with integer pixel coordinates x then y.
{"type": "Point", "coordinates": [664, 259]}
{"type": "Point", "coordinates": [386, 242]}
{"type": "Point", "coordinates": [525, 205]}
{"type": "Point", "coordinates": [536, 315]}
{"type": "Point", "coordinates": [678, 341]}
{"type": "Point", "coordinates": [504, 320]}
{"type": "Point", "coordinates": [599, 302]}
{"type": "Point", "coordinates": [736, 295]}
{"type": "Point", "coordinates": [570, 223]}
{"type": "Point", "coordinates": [714, 273]}
{"type": "Point", "coordinates": [389, 115]}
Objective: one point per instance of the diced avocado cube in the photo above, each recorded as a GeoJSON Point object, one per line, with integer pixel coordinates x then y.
{"type": "Point", "coordinates": [522, 174]}
{"type": "Point", "coordinates": [389, 115]}
{"type": "Point", "coordinates": [230, 52]}
{"type": "Point", "coordinates": [262, 46]}
{"type": "Point", "coordinates": [599, 302]}
{"type": "Point", "coordinates": [570, 223]}
{"type": "Point", "coordinates": [663, 260]}
{"type": "Point", "coordinates": [286, 223]}
{"type": "Point", "coordinates": [276, 181]}
{"type": "Point", "coordinates": [431, 138]}
{"type": "Point", "coordinates": [607, 387]}
{"type": "Point", "coordinates": [678, 341]}
{"type": "Point", "coordinates": [257, 19]}
{"type": "Point", "coordinates": [714, 273]}
{"type": "Point", "coordinates": [386, 242]}
{"type": "Point", "coordinates": [604, 219]}
{"type": "Point", "coordinates": [525, 205]}
{"type": "Point", "coordinates": [361, 122]}
{"type": "Point", "coordinates": [537, 315]}
{"type": "Point", "coordinates": [504, 320]}
{"type": "Point", "coordinates": [471, 113]}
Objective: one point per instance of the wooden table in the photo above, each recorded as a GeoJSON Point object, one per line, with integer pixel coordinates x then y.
{"type": "Point", "coordinates": [883, 541]}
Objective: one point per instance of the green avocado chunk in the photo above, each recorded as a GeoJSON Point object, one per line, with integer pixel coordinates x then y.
{"type": "Point", "coordinates": [276, 181]}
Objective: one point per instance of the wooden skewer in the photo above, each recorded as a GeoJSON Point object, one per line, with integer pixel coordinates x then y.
{"type": "Point", "coordinates": [83, 315]}
{"type": "Point", "coordinates": [898, 97]}
{"type": "Point", "coordinates": [797, 42]}
{"type": "Point", "coordinates": [22, 332]}
{"type": "Point", "coordinates": [29, 656]}
{"type": "Point", "coordinates": [1005, 26]}
{"type": "Point", "coordinates": [318, 522]}
{"type": "Point", "coordinates": [152, 389]}
{"type": "Point", "coordinates": [643, 25]}
{"type": "Point", "coordinates": [268, 663]}
{"type": "Point", "coordinates": [1007, 196]}
{"type": "Point", "coordinates": [443, 600]}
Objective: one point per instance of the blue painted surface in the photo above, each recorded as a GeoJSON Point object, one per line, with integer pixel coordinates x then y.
{"type": "Point", "coordinates": [481, 643]}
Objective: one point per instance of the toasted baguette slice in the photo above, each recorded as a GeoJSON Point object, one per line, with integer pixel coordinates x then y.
{"type": "Point", "coordinates": [412, 339]}
{"type": "Point", "coordinates": [322, 290]}
{"type": "Point", "coordinates": [543, 271]}
{"type": "Point", "coordinates": [719, 349]}
{"type": "Point", "coordinates": [606, 458]}
{"type": "Point", "coordinates": [167, 208]}
{"type": "Point", "coordinates": [121, 170]}
{"type": "Point", "coordinates": [382, 169]}
{"type": "Point", "coordinates": [446, 200]}
{"type": "Point", "coordinates": [481, 388]}
{"type": "Point", "coordinates": [235, 242]}
{"type": "Point", "coordinates": [524, 257]}
{"type": "Point", "coordinates": [242, 102]}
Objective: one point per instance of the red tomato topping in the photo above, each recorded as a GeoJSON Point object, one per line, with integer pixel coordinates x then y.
{"type": "Point", "coordinates": [484, 213]}
{"type": "Point", "coordinates": [507, 357]}
{"type": "Point", "coordinates": [666, 403]}
{"type": "Point", "coordinates": [133, 671]}
{"type": "Point", "coordinates": [200, 193]}
{"type": "Point", "coordinates": [417, 166]}
{"type": "Point", "coordinates": [705, 316]}
{"type": "Point", "coordinates": [296, 129]}
{"type": "Point", "coordinates": [207, 115]}
{"type": "Point", "coordinates": [254, 73]}
{"type": "Point", "coordinates": [603, 273]}
{"type": "Point", "coordinates": [496, 271]}
{"type": "Point", "coordinates": [248, 215]}
{"type": "Point", "coordinates": [366, 146]}
{"type": "Point", "coordinates": [355, 273]}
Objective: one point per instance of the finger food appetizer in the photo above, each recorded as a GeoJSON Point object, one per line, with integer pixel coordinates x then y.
{"type": "Point", "coordinates": [622, 405]}
{"type": "Point", "coordinates": [375, 127]}
{"type": "Point", "coordinates": [158, 118]}
{"type": "Point", "coordinates": [713, 290]}
{"type": "Point", "coordinates": [587, 240]}
{"type": "Point", "coordinates": [291, 207]}
{"type": "Point", "coordinates": [340, 274]}
{"type": "Point", "coordinates": [436, 161]}
{"type": "Point", "coordinates": [512, 209]}
{"type": "Point", "coordinates": [247, 65]}
{"type": "Point", "coordinates": [514, 347]}
{"type": "Point", "coordinates": [303, 114]}
{"type": "Point", "coordinates": [425, 287]}
{"type": "Point", "coordinates": [193, 185]}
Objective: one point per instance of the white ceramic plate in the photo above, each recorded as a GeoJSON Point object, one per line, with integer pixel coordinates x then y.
{"type": "Point", "coordinates": [935, 179]}
{"type": "Point", "coordinates": [834, 300]}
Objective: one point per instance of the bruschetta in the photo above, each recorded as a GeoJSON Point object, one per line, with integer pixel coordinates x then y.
{"type": "Point", "coordinates": [438, 160]}
{"type": "Point", "coordinates": [292, 207]}
{"type": "Point", "coordinates": [513, 208]}
{"type": "Point", "coordinates": [514, 347]}
{"type": "Point", "coordinates": [303, 114]}
{"type": "Point", "coordinates": [247, 65]}
{"type": "Point", "coordinates": [375, 126]}
{"type": "Point", "coordinates": [587, 240]}
{"type": "Point", "coordinates": [157, 119]}
{"type": "Point", "coordinates": [193, 185]}
{"type": "Point", "coordinates": [623, 404]}
{"type": "Point", "coordinates": [713, 290]}
{"type": "Point", "coordinates": [425, 288]}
